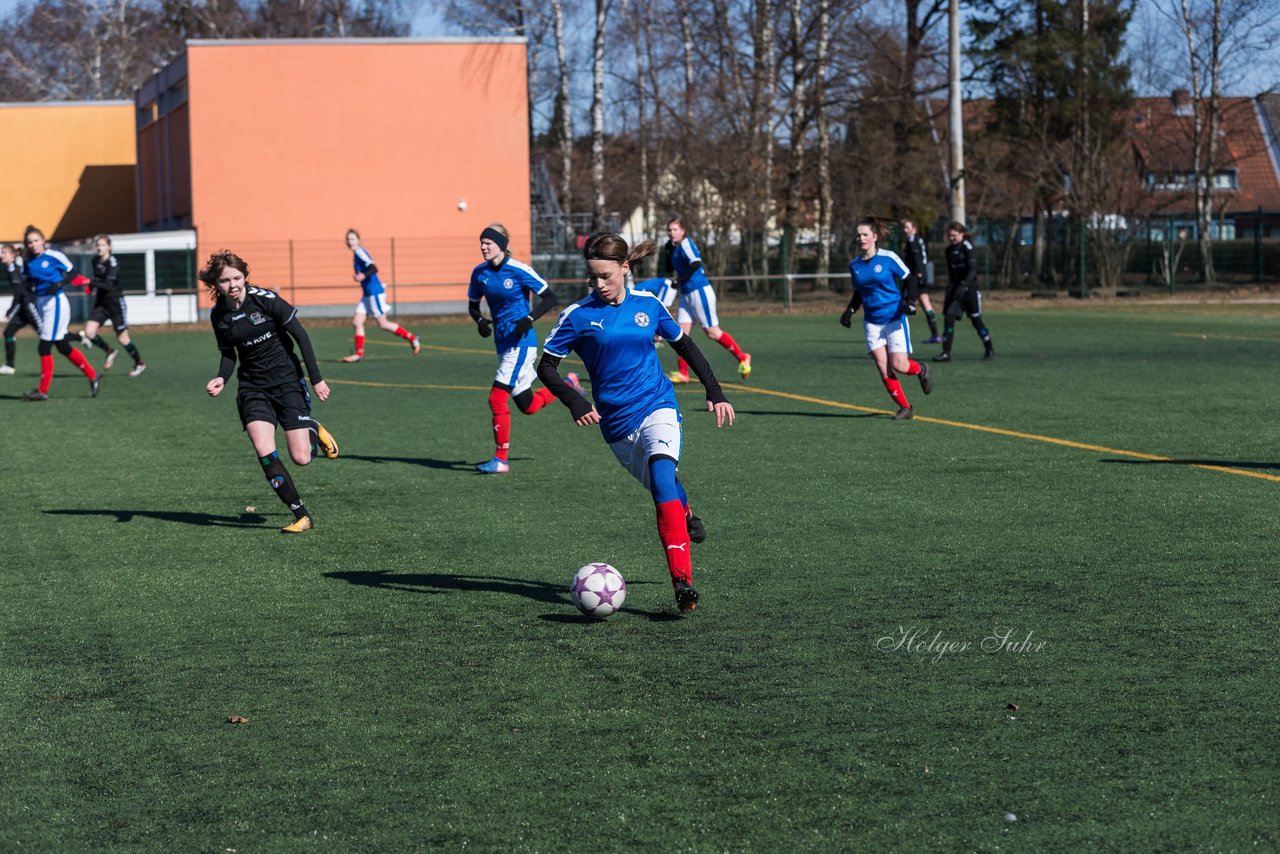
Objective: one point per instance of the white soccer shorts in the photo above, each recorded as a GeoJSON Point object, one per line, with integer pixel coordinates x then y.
{"type": "Point", "coordinates": [894, 335]}
{"type": "Point", "coordinates": [699, 306]}
{"type": "Point", "coordinates": [55, 315]}
{"type": "Point", "coordinates": [658, 434]}
{"type": "Point", "coordinates": [516, 368]}
{"type": "Point", "coordinates": [374, 304]}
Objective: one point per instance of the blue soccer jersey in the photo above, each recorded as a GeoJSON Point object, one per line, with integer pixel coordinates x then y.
{"type": "Point", "coordinates": [506, 289]}
{"type": "Point", "coordinates": [46, 271]}
{"type": "Point", "coordinates": [690, 277]}
{"type": "Point", "coordinates": [371, 285]}
{"type": "Point", "coordinates": [875, 279]}
{"type": "Point", "coordinates": [616, 344]}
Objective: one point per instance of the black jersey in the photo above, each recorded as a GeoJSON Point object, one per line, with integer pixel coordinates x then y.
{"type": "Point", "coordinates": [916, 257]}
{"type": "Point", "coordinates": [260, 334]}
{"type": "Point", "coordinates": [106, 276]}
{"type": "Point", "coordinates": [962, 265]}
{"type": "Point", "coordinates": [17, 281]}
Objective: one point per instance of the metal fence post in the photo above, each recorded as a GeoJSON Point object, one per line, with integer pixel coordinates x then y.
{"type": "Point", "coordinates": [1173, 272]}
{"type": "Point", "coordinates": [786, 290]}
{"type": "Point", "coordinates": [1257, 248]}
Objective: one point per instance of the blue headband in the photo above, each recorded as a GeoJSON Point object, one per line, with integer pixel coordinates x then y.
{"type": "Point", "coordinates": [496, 236]}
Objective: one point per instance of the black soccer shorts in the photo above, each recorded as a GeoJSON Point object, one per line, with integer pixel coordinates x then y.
{"type": "Point", "coordinates": [287, 406]}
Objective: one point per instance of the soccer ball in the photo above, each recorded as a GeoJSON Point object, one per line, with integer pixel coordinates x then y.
{"type": "Point", "coordinates": [598, 590]}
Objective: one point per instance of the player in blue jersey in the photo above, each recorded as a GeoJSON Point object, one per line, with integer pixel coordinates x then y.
{"type": "Point", "coordinates": [506, 285]}
{"type": "Point", "coordinates": [108, 304]}
{"type": "Point", "coordinates": [697, 300]}
{"type": "Point", "coordinates": [21, 312]}
{"type": "Point", "coordinates": [663, 289]}
{"type": "Point", "coordinates": [875, 273]}
{"type": "Point", "coordinates": [612, 331]}
{"type": "Point", "coordinates": [257, 328]}
{"type": "Point", "coordinates": [373, 300]}
{"type": "Point", "coordinates": [47, 271]}
{"type": "Point", "coordinates": [963, 294]}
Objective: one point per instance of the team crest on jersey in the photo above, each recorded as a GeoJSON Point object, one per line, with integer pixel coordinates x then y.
{"type": "Point", "coordinates": [508, 283]}
{"type": "Point", "coordinates": [878, 268]}
{"type": "Point", "coordinates": [641, 319]}
{"type": "Point", "coordinates": [257, 318]}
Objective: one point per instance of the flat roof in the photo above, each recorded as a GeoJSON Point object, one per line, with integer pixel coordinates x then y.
{"type": "Point", "coordinates": [18, 104]}
{"type": "Point", "coordinates": [357, 41]}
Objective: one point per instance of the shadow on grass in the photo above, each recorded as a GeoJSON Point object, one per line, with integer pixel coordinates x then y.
{"type": "Point", "coordinates": [244, 520]}
{"type": "Point", "coordinates": [812, 414]}
{"type": "Point", "coordinates": [1226, 464]}
{"type": "Point", "coordinates": [437, 582]}
{"type": "Point", "coordinates": [425, 462]}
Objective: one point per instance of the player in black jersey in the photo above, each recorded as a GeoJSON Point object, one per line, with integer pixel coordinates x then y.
{"type": "Point", "coordinates": [917, 260]}
{"type": "Point", "coordinates": [108, 304]}
{"type": "Point", "coordinates": [21, 312]}
{"type": "Point", "coordinates": [963, 295]}
{"type": "Point", "coordinates": [257, 327]}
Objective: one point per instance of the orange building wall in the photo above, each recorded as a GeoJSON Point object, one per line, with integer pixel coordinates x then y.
{"type": "Point", "coordinates": [292, 143]}
{"type": "Point", "coordinates": [71, 168]}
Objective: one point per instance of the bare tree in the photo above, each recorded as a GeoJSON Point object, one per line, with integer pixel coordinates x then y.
{"type": "Point", "coordinates": [597, 117]}
{"type": "Point", "coordinates": [564, 105]}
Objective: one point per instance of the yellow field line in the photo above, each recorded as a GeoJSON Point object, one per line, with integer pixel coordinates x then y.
{"type": "Point", "coordinates": [1015, 434]}
{"type": "Point", "coordinates": [1199, 336]}
{"type": "Point", "coordinates": [835, 404]}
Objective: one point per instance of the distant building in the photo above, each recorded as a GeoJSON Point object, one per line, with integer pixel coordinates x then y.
{"type": "Point", "coordinates": [70, 168]}
{"type": "Point", "coordinates": [274, 148]}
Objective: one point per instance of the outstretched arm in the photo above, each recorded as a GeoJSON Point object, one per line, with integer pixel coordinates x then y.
{"type": "Point", "coordinates": [579, 407]}
{"type": "Point", "coordinates": [716, 401]}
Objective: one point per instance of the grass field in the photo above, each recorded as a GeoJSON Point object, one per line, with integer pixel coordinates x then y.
{"type": "Point", "coordinates": [415, 677]}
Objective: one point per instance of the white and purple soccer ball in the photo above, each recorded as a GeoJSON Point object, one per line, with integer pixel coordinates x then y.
{"type": "Point", "coordinates": [598, 590]}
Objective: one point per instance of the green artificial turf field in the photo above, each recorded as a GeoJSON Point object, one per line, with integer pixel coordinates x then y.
{"type": "Point", "coordinates": [1102, 495]}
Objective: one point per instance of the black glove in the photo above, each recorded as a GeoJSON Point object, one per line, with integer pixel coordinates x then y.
{"type": "Point", "coordinates": [484, 327]}
{"type": "Point", "coordinates": [523, 325]}
{"type": "Point", "coordinates": [846, 319]}
{"type": "Point", "coordinates": [911, 308]}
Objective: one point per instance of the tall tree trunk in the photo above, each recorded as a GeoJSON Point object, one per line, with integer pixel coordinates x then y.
{"type": "Point", "coordinates": [597, 118]}
{"type": "Point", "coordinates": [642, 126]}
{"type": "Point", "coordinates": [564, 110]}
{"type": "Point", "coordinates": [795, 162]}
{"type": "Point", "coordinates": [824, 141]}
{"type": "Point", "coordinates": [1204, 125]}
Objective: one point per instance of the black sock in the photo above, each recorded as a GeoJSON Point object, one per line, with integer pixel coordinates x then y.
{"type": "Point", "coordinates": [982, 333]}
{"type": "Point", "coordinates": [932, 317]}
{"type": "Point", "coordinates": [99, 341]}
{"type": "Point", "coordinates": [948, 335]}
{"type": "Point", "coordinates": [278, 477]}
{"type": "Point", "coordinates": [133, 352]}
{"type": "Point", "coordinates": [10, 345]}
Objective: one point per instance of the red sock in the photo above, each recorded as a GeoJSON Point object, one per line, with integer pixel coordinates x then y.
{"type": "Point", "coordinates": [541, 398]}
{"type": "Point", "coordinates": [77, 358]}
{"type": "Point", "coordinates": [727, 342]}
{"type": "Point", "coordinates": [46, 372]}
{"type": "Point", "coordinates": [404, 333]}
{"type": "Point", "coordinates": [673, 530]}
{"type": "Point", "coordinates": [359, 345]}
{"type": "Point", "coordinates": [913, 368]}
{"type": "Point", "coordinates": [895, 391]}
{"type": "Point", "coordinates": [501, 422]}
{"type": "Point", "coordinates": [682, 366]}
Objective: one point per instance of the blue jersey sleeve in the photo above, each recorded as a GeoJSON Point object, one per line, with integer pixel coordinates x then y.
{"type": "Point", "coordinates": [529, 278]}
{"type": "Point", "coordinates": [563, 336]}
{"type": "Point", "coordinates": [667, 326]}
{"type": "Point", "coordinates": [474, 292]}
